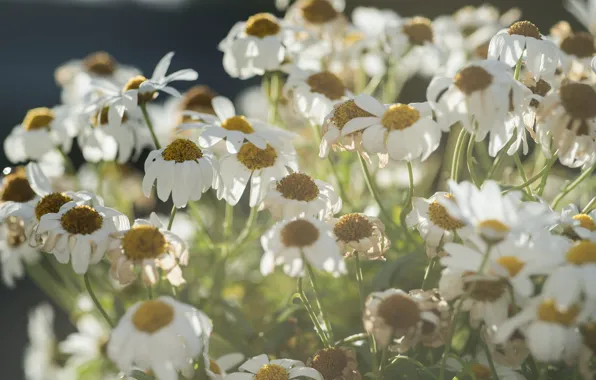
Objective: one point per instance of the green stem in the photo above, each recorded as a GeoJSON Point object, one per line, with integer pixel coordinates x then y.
{"type": "Point", "coordinates": [470, 161]}
{"type": "Point", "coordinates": [315, 288]}
{"type": "Point", "coordinates": [457, 154]}
{"type": "Point", "coordinates": [407, 207]}
{"type": "Point", "coordinates": [172, 216]}
{"type": "Point", "coordinates": [569, 187]}
{"type": "Point", "coordinates": [228, 220]}
{"type": "Point", "coordinates": [489, 357]}
{"type": "Point", "coordinates": [360, 280]}
{"type": "Point", "coordinates": [351, 339]}
{"type": "Point", "coordinates": [548, 166]}
{"type": "Point", "coordinates": [530, 181]}
{"type": "Point", "coordinates": [499, 159]}
{"type": "Point", "coordinates": [311, 314]}
{"type": "Point", "coordinates": [589, 206]}
{"type": "Point", "coordinates": [429, 269]}
{"type": "Point", "coordinates": [96, 301]}
{"type": "Point", "coordinates": [272, 89]}
{"type": "Point", "coordinates": [150, 126]}
{"type": "Point", "coordinates": [522, 173]}
{"type": "Point", "coordinates": [383, 362]}
{"type": "Point", "coordinates": [150, 292]}
{"type": "Point", "coordinates": [248, 227]}
{"type": "Point", "coordinates": [196, 214]}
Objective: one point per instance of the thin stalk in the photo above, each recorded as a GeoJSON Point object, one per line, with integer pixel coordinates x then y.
{"type": "Point", "coordinates": [383, 362]}
{"type": "Point", "coordinates": [196, 214]}
{"type": "Point", "coordinates": [150, 292]}
{"type": "Point", "coordinates": [407, 207]}
{"type": "Point", "coordinates": [499, 159]}
{"type": "Point", "coordinates": [522, 173]}
{"type": "Point", "coordinates": [351, 339]}
{"type": "Point", "coordinates": [429, 269]}
{"type": "Point", "coordinates": [517, 69]}
{"type": "Point", "coordinates": [311, 314]}
{"type": "Point", "coordinates": [489, 357]}
{"type": "Point", "coordinates": [470, 161]}
{"type": "Point", "coordinates": [96, 301]}
{"type": "Point", "coordinates": [248, 227]}
{"type": "Point", "coordinates": [228, 220]}
{"type": "Point", "coordinates": [457, 154]}
{"type": "Point", "coordinates": [530, 181]}
{"type": "Point", "coordinates": [360, 280]}
{"type": "Point", "coordinates": [70, 168]}
{"type": "Point", "coordinates": [315, 288]}
{"type": "Point", "coordinates": [150, 126]}
{"type": "Point", "coordinates": [172, 217]}
{"type": "Point", "coordinates": [589, 206]}
{"type": "Point", "coordinates": [569, 187]}
{"type": "Point", "coordinates": [549, 165]}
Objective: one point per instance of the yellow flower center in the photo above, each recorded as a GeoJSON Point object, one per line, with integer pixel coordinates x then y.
{"type": "Point", "coordinates": [525, 28]}
{"type": "Point", "coordinates": [16, 188]}
{"type": "Point", "coordinates": [318, 11]}
{"type": "Point", "coordinates": [512, 264]}
{"type": "Point", "coordinates": [481, 372]}
{"type": "Point", "coordinates": [81, 220]}
{"type": "Point", "coordinates": [100, 63]}
{"type": "Point", "coordinates": [485, 290]}
{"type": "Point", "coordinates": [152, 316]}
{"type": "Point", "coordinates": [353, 227]}
{"type": "Point", "coordinates": [578, 99]}
{"type": "Point", "coordinates": [237, 123]}
{"type": "Point", "coordinates": [213, 367]}
{"type": "Point", "coordinates": [582, 252]}
{"type": "Point", "coordinates": [579, 44]}
{"type": "Point", "coordinates": [330, 362]}
{"type": "Point", "coordinates": [585, 221]}
{"type": "Point", "coordinates": [50, 204]}
{"type": "Point", "coordinates": [298, 187]}
{"type": "Point", "coordinates": [548, 312]}
{"type": "Point", "coordinates": [399, 311]}
{"type": "Point", "coordinates": [419, 30]}
{"type": "Point", "coordinates": [254, 158]}
{"type": "Point", "coordinates": [589, 334]}
{"type": "Point", "coordinates": [347, 111]}
{"type": "Point", "coordinates": [143, 242]}
{"type": "Point", "coordinates": [494, 225]}
{"type": "Point", "coordinates": [439, 216]}
{"type": "Point", "coordinates": [328, 84]}
{"type": "Point", "coordinates": [38, 118]}
{"type": "Point", "coordinates": [100, 118]}
{"type": "Point", "coordinates": [272, 372]}
{"type": "Point", "coordinates": [262, 25]}
{"type": "Point", "coordinates": [134, 83]}
{"type": "Point", "coordinates": [399, 117]}
{"type": "Point", "coordinates": [299, 233]}
{"type": "Point", "coordinates": [471, 79]}
{"type": "Point", "coordinates": [181, 150]}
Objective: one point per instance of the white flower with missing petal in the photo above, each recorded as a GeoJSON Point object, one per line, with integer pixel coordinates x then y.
{"type": "Point", "coordinates": [183, 170]}
{"type": "Point", "coordinates": [261, 368]}
{"type": "Point", "coordinates": [292, 242]}
{"type": "Point", "coordinates": [362, 235]}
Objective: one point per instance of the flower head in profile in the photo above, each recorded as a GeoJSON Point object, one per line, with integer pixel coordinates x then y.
{"type": "Point", "coordinates": [162, 335]}
{"type": "Point", "coordinates": [362, 235]}
{"type": "Point", "coordinates": [183, 170]}
{"type": "Point", "coordinates": [298, 242]}
{"type": "Point", "coordinates": [335, 363]}
{"type": "Point", "coordinates": [322, 18]}
{"type": "Point", "coordinates": [576, 222]}
{"type": "Point", "coordinates": [14, 251]}
{"type": "Point", "coordinates": [577, 51]}
{"type": "Point", "coordinates": [261, 368]}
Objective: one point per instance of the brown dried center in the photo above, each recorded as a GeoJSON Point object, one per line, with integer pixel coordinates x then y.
{"type": "Point", "coordinates": [299, 233]}
{"type": "Point", "coordinates": [353, 227]}
{"type": "Point", "coordinates": [328, 84]}
{"type": "Point", "coordinates": [472, 79]}
{"type": "Point", "coordinates": [585, 221]}
{"type": "Point", "coordinates": [237, 123]}
{"type": "Point", "coordinates": [254, 158]}
{"type": "Point", "coordinates": [399, 117]}
{"type": "Point", "coordinates": [181, 150]}
{"type": "Point", "coordinates": [579, 44]}
{"type": "Point", "coordinates": [272, 372]}
{"type": "Point", "coordinates": [347, 111]}
{"type": "Point", "coordinates": [318, 11]}
{"type": "Point", "coordinates": [578, 99]}
{"type": "Point", "coordinates": [439, 216]}
{"type": "Point", "coordinates": [589, 334]}
{"type": "Point", "coordinates": [198, 99]}
{"type": "Point", "coordinates": [16, 188]}
{"type": "Point", "coordinates": [100, 63]}
{"type": "Point", "coordinates": [486, 290]}
{"type": "Point", "coordinates": [399, 311]}
{"type": "Point", "coordinates": [549, 312]}
{"type": "Point", "coordinates": [330, 362]}
{"type": "Point", "coordinates": [50, 204]}
{"type": "Point", "coordinates": [582, 252]}
{"type": "Point", "coordinates": [298, 187]}
{"type": "Point", "coordinates": [38, 118]}
{"type": "Point", "coordinates": [525, 28]}
{"type": "Point", "coordinates": [481, 372]}
{"type": "Point", "coordinates": [262, 25]}
{"type": "Point", "coordinates": [152, 316]}
{"type": "Point", "coordinates": [143, 242]}
{"type": "Point", "coordinates": [81, 220]}
{"type": "Point", "coordinates": [419, 30]}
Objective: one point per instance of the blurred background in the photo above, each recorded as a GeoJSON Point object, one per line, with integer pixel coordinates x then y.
{"type": "Point", "coordinates": [36, 36]}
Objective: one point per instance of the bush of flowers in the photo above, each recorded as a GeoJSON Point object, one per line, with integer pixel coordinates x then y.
{"type": "Point", "coordinates": [317, 227]}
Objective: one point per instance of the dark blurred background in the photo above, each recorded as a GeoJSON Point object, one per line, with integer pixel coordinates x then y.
{"type": "Point", "coordinates": [37, 36]}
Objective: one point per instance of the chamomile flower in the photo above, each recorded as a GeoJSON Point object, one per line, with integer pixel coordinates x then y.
{"type": "Point", "coordinates": [394, 314]}
{"type": "Point", "coordinates": [81, 232]}
{"type": "Point", "coordinates": [297, 194]}
{"type": "Point", "coordinates": [234, 129]}
{"type": "Point", "coordinates": [150, 247]}
{"type": "Point", "coordinates": [481, 368]}
{"type": "Point", "coordinates": [259, 166]}
{"type": "Point", "coordinates": [403, 131]}
{"type": "Point", "coordinates": [15, 189]}
{"type": "Point", "coordinates": [551, 333]}
{"type": "Point", "coordinates": [314, 93]}
{"type": "Point", "coordinates": [335, 363]}
{"type": "Point", "coordinates": [197, 99]}
{"type": "Point", "coordinates": [523, 41]}
{"type": "Point", "coordinates": [14, 251]}
{"type": "Point", "coordinates": [322, 18]}
{"type": "Point", "coordinates": [362, 235]}
{"type": "Point", "coordinates": [183, 170]}
{"type": "Point", "coordinates": [217, 369]}
{"type": "Point", "coordinates": [260, 367]}
{"type": "Point", "coordinates": [162, 335]}
{"type": "Point", "coordinates": [577, 51]}
{"type": "Point", "coordinates": [292, 242]}
{"type": "Point", "coordinates": [578, 222]}
{"type": "Point", "coordinates": [566, 121]}
{"type": "Point", "coordinates": [433, 222]}
{"type": "Point", "coordinates": [88, 343]}
{"type": "Point", "coordinates": [584, 11]}
{"type": "Point", "coordinates": [42, 130]}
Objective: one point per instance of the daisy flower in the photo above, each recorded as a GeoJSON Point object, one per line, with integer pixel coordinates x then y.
{"type": "Point", "coordinates": [42, 130]}
{"type": "Point", "coordinates": [315, 93]}
{"type": "Point", "coordinates": [362, 235]}
{"type": "Point", "coordinates": [566, 121]}
{"type": "Point", "coordinates": [481, 368]}
{"type": "Point", "coordinates": [162, 335]}
{"type": "Point", "coordinates": [259, 166]}
{"type": "Point", "coordinates": [335, 363]}
{"type": "Point", "coordinates": [15, 189]}
{"type": "Point", "coordinates": [234, 129]}
{"type": "Point", "coordinates": [575, 222]}
{"type": "Point", "coordinates": [149, 246]}
{"type": "Point", "coordinates": [260, 367]}
{"type": "Point", "coordinates": [551, 333]}
{"type": "Point", "coordinates": [291, 242]}
{"type": "Point", "coordinates": [14, 251]}
{"type": "Point", "coordinates": [217, 369]}
{"type": "Point", "coordinates": [182, 169]}
{"type": "Point", "coordinates": [433, 222]}
{"type": "Point", "coordinates": [577, 51]}
{"type": "Point", "coordinates": [322, 18]}
{"type": "Point", "coordinates": [394, 314]}
{"type": "Point", "coordinates": [81, 232]}
{"type": "Point", "coordinates": [523, 41]}
{"type": "Point", "coordinates": [297, 194]}
{"type": "Point", "coordinates": [584, 11]}
{"type": "Point", "coordinates": [88, 343]}
{"type": "Point", "coordinates": [40, 352]}
{"type": "Point", "coordinates": [404, 131]}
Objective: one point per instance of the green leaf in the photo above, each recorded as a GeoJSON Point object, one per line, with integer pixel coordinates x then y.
{"type": "Point", "coordinates": [140, 375]}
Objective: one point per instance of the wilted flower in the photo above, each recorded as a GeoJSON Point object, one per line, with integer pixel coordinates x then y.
{"type": "Point", "coordinates": [362, 235]}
